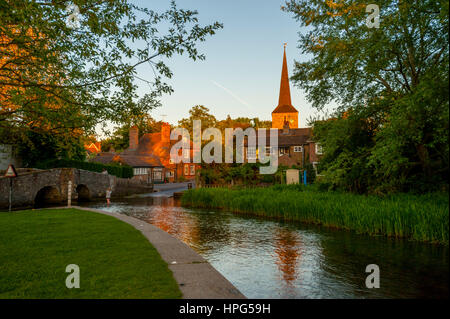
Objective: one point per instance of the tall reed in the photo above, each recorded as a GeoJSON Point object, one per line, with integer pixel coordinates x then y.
{"type": "Point", "coordinates": [418, 217]}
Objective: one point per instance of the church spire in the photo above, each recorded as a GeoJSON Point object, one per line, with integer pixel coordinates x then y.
{"type": "Point", "coordinates": [285, 92]}
{"type": "Point", "coordinates": [284, 112]}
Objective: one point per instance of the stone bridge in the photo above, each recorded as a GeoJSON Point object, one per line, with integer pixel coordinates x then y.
{"type": "Point", "coordinates": [41, 187]}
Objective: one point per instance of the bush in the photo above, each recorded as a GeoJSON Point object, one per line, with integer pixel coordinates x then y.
{"type": "Point", "coordinates": [116, 170]}
{"type": "Point", "coordinates": [310, 173]}
{"type": "Point", "coordinates": [323, 186]}
{"type": "Point", "coordinates": [291, 187]}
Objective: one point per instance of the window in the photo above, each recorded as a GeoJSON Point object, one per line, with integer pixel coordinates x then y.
{"type": "Point", "coordinates": [319, 149]}
{"type": "Point", "coordinates": [169, 174]}
{"type": "Point", "coordinates": [157, 174]}
{"type": "Point", "coordinates": [140, 171]}
{"type": "Point", "coordinates": [270, 150]}
{"type": "Point", "coordinates": [283, 150]}
{"type": "Point", "coordinates": [186, 170]}
{"type": "Point", "coordinates": [251, 152]}
{"type": "Point", "coordinates": [171, 161]}
{"type": "Point", "coordinates": [298, 149]}
{"type": "Point", "coordinates": [192, 170]}
{"type": "Point", "coordinates": [186, 155]}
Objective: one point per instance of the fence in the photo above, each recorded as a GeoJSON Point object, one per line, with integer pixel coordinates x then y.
{"type": "Point", "coordinates": [233, 186]}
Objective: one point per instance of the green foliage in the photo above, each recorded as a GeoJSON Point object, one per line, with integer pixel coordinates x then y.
{"type": "Point", "coordinates": [40, 147]}
{"type": "Point", "coordinates": [418, 217]}
{"type": "Point", "coordinates": [238, 174]}
{"type": "Point", "coordinates": [310, 173]}
{"type": "Point", "coordinates": [242, 122]}
{"type": "Point", "coordinates": [113, 169]}
{"type": "Point", "coordinates": [55, 77]}
{"type": "Point", "coordinates": [100, 245]}
{"type": "Point", "coordinates": [248, 174]}
{"type": "Point", "coordinates": [201, 113]}
{"type": "Point", "coordinates": [390, 132]}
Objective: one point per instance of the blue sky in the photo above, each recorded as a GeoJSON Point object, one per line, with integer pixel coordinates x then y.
{"type": "Point", "coordinates": [242, 70]}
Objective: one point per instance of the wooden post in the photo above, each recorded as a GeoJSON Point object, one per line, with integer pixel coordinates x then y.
{"type": "Point", "coordinates": [10, 173]}
{"type": "Point", "coordinates": [69, 194]}
{"type": "Point", "coordinates": [10, 194]}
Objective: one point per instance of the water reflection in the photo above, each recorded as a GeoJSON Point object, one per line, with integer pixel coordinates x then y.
{"type": "Point", "coordinates": [287, 249]}
{"type": "Point", "coordinates": [270, 259]}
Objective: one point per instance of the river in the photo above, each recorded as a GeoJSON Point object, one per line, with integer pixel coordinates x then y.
{"type": "Point", "coordinates": [272, 259]}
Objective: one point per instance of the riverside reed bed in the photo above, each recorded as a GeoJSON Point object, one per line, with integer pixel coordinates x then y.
{"type": "Point", "coordinates": [417, 217]}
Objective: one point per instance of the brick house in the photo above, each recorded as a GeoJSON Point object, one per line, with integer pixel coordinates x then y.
{"type": "Point", "coordinates": [149, 156]}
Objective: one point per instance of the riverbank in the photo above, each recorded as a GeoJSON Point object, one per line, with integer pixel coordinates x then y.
{"type": "Point", "coordinates": [196, 278]}
{"type": "Point", "coordinates": [417, 217]}
{"type": "Point", "coordinates": [114, 259]}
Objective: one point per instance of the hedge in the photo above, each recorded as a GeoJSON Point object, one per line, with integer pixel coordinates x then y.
{"type": "Point", "coordinates": [116, 170]}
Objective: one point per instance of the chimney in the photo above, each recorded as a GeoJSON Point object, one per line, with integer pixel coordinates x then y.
{"type": "Point", "coordinates": [165, 133]}
{"type": "Point", "coordinates": [134, 138]}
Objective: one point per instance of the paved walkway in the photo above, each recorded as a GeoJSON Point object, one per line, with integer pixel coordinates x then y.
{"type": "Point", "coordinates": [196, 278]}
{"type": "Point", "coordinates": [172, 186]}
{"type": "Point", "coordinates": [165, 190]}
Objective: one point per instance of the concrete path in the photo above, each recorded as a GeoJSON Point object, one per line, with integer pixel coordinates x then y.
{"type": "Point", "coordinates": [196, 278]}
{"type": "Point", "coordinates": [165, 190]}
{"type": "Point", "coordinates": [172, 186]}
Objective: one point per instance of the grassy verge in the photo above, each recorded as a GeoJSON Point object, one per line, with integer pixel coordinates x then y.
{"type": "Point", "coordinates": [422, 218]}
{"type": "Point", "coordinates": [115, 259]}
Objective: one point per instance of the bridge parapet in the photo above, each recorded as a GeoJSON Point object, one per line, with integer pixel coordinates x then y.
{"type": "Point", "coordinates": [51, 186]}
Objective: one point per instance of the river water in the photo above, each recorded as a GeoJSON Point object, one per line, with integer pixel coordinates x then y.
{"type": "Point", "coordinates": [272, 259]}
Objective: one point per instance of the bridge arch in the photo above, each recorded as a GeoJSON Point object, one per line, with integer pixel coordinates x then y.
{"type": "Point", "coordinates": [47, 195]}
{"type": "Point", "coordinates": [84, 194]}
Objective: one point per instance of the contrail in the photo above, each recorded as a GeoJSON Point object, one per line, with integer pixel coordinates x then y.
{"type": "Point", "coordinates": [232, 94]}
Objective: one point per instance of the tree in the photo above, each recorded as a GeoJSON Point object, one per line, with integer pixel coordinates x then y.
{"type": "Point", "coordinates": [198, 112]}
{"type": "Point", "coordinates": [243, 122]}
{"type": "Point", "coordinates": [257, 123]}
{"type": "Point", "coordinates": [58, 77]}
{"type": "Point", "coordinates": [393, 78]}
{"type": "Point", "coordinates": [119, 138]}
{"type": "Point", "coordinates": [43, 147]}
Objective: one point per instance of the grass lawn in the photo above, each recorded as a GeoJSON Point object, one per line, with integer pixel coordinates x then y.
{"type": "Point", "coordinates": [115, 259]}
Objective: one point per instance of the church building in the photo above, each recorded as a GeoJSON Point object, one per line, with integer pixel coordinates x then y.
{"type": "Point", "coordinates": [284, 112]}
{"type": "Point", "coordinates": [296, 146]}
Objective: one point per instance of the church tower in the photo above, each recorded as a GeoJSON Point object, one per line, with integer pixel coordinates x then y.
{"type": "Point", "coordinates": [284, 112]}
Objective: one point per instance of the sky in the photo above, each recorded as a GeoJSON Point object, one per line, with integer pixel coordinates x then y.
{"type": "Point", "coordinates": [241, 74]}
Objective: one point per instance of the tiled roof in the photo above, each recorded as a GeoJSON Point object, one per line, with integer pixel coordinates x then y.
{"type": "Point", "coordinates": [295, 136]}
{"type": "Point", "coordinates": [285, 109]}
{"type": "Point", "coordinates": [132, 160]}
{"type": "Point", "coordinates": [150, 153]}
{"type": "Point", "coordinates": [103, 158]}
{"type": "Point", "coordinates": [141, 161]}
